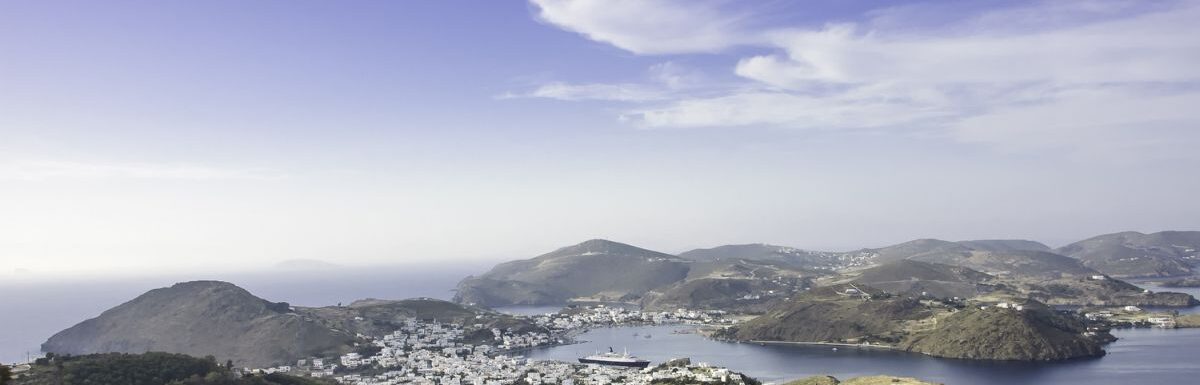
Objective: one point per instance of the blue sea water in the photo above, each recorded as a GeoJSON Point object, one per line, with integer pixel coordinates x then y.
{"type": "Point", "coordinates": [1141, 356]}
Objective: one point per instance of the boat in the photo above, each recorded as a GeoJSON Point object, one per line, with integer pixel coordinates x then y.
{"type": "Point", "coordinates": [612, 358]}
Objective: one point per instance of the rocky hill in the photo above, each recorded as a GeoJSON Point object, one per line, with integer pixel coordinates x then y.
{"type": "Point", "coordinates": [215, 318]}
{"type": "Point", "coordinates": [860, 314]}
{"type": "Point", "coordinates": [597, 270]}
{"type": "Point", "coordinates": [909, 277]}
{"type": "Point", "coordinates": [1103, 292]}
{"type": "Point", "coordinates": [997, 257]}
{"type": "Point", "coordinates": [202, 318]}
{"type": "Point", "coordinates": [739, 285]}
{"type": "Point", "coordinates": [1134, 254]}
{"type": "Point", "coordinates": [1034, 333]}
{"type": "Point", "coordinates": [1027, 264]}
{"type": "Point", "coordinates": [905, 270]}
{"type": "Point", "coordinates": [933, 280]}
{"type": "Point", "coordinates": [730, 294]}
{"type": "Point", "coordinates": [835, 314]}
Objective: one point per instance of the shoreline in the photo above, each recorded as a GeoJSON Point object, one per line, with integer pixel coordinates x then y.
{"type": "Point", "coordinates": [833, 344]}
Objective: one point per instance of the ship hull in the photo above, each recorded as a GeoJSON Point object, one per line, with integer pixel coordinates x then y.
{"type": "Point", "coordinates": [628, 364]}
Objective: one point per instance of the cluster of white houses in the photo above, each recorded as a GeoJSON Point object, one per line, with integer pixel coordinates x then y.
{"type": "Point", "coordinates": [594, 316]}
{"type": "Point", "coordinates": [437, 353]}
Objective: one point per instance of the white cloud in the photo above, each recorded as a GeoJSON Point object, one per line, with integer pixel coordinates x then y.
{"type": "Point", "coordinates": [1047, 75]}
{"type": "Point", "coordinates": [646, 26]}
{"type": "Point", "coordinates": [625, 92]}
{"type": "Point", "coordinates": [51, 169]}
{"type": "Point", "coordinates": [782, 109]}
{"type": "Point", "coordinates": [664, 81]}
{"type": "Point", "coordinates": [1150, 47]}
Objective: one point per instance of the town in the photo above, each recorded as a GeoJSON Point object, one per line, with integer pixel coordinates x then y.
{"type": "Point", "coordinates": [423, 352]}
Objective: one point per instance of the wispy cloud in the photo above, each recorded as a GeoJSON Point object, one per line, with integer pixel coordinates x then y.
{"type": "Point", "coordinates": [1049, 74]}
{"type": "Point", "coordinates": [647, 26]}
{"type": "Point", "coordinates": [624, 92]}
{"type": "Point", "coordinates": [31, 170]}
{"type": "Point", "coordinates": [662, 81]}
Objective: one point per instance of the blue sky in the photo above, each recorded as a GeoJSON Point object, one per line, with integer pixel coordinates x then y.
{"type": "Point", "coordinates": [149, 135]}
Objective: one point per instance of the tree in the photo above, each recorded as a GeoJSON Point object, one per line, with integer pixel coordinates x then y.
{"type": "Point", "coordinates": [229, 364]}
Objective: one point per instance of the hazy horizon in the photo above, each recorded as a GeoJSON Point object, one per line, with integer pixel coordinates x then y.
{"type": "Point", "coordinates": [139, 137]}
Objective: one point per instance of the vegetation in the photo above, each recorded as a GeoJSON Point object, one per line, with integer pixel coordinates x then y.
{"type": "Point", "coordinates": [144, 369]}
{"type": "Point", "coordinates": [833, 314]}
{"type": "Point", "coordinates": [1035, 333]}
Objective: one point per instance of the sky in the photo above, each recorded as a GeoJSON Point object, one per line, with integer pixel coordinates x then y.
{"type": "Point", "coordinates": [153, 136]}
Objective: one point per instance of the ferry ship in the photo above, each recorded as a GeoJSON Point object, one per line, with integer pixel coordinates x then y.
{"type": "Point", "coordinates": [615, 359]}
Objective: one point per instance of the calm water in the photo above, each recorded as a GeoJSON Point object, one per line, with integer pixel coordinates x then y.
{"type": "Point", "coordinates": [1143, 356]}
{"type": "Point", "coordinates": [528, 310]}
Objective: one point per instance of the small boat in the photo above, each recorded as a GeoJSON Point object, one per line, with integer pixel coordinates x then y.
{"type": "Point", "coordinates": [647, 336]}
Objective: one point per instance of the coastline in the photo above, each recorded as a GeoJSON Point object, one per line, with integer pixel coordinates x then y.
{"type": "Point", "coordinates": [832, 344]}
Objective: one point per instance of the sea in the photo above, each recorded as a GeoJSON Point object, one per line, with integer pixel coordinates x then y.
{"type": "Point", "coordinates": [31, 311]}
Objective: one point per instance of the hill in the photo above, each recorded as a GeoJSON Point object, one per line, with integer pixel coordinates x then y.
{"type": "Point", "coordinates": [909, 277]}
{"type": "Point", "coordinates": [202, 318]}
{"type": "Point", "coordinates": [933, 280]}
{"type": "Point", "coordinates": [376, 317]}
{"type": "Point", "coordinates": [738, 285]}
{"type": "Point", "coordinates": [916, 249]}
{"type": "Point", "coordinates": [1034, 333]}
{"type": "Point", "coordinates": [905, 270]}
{"type": "Point", "coordinates": [598, 270]}
{"type": "Point", "coordinates": [1005, 245]}
{"type": "Point", "coordinates": [860, 314]}
{"type": "Point", "coordinates": [996, 257]}
{"type": "Point", "coordinates": [766, 253]}
{"type": "Point", "coordinates": [729, 294]}
{"type": "Point", "coordinates": [1134, 254]}
{"type": "Point", "coordinates": [831, 314]}
{"type": "Point", "coordinates": [1027, 264]}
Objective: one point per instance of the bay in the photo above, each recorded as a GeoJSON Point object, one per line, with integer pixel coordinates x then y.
{"type": "Point", "coordinates": [1141, 356]}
